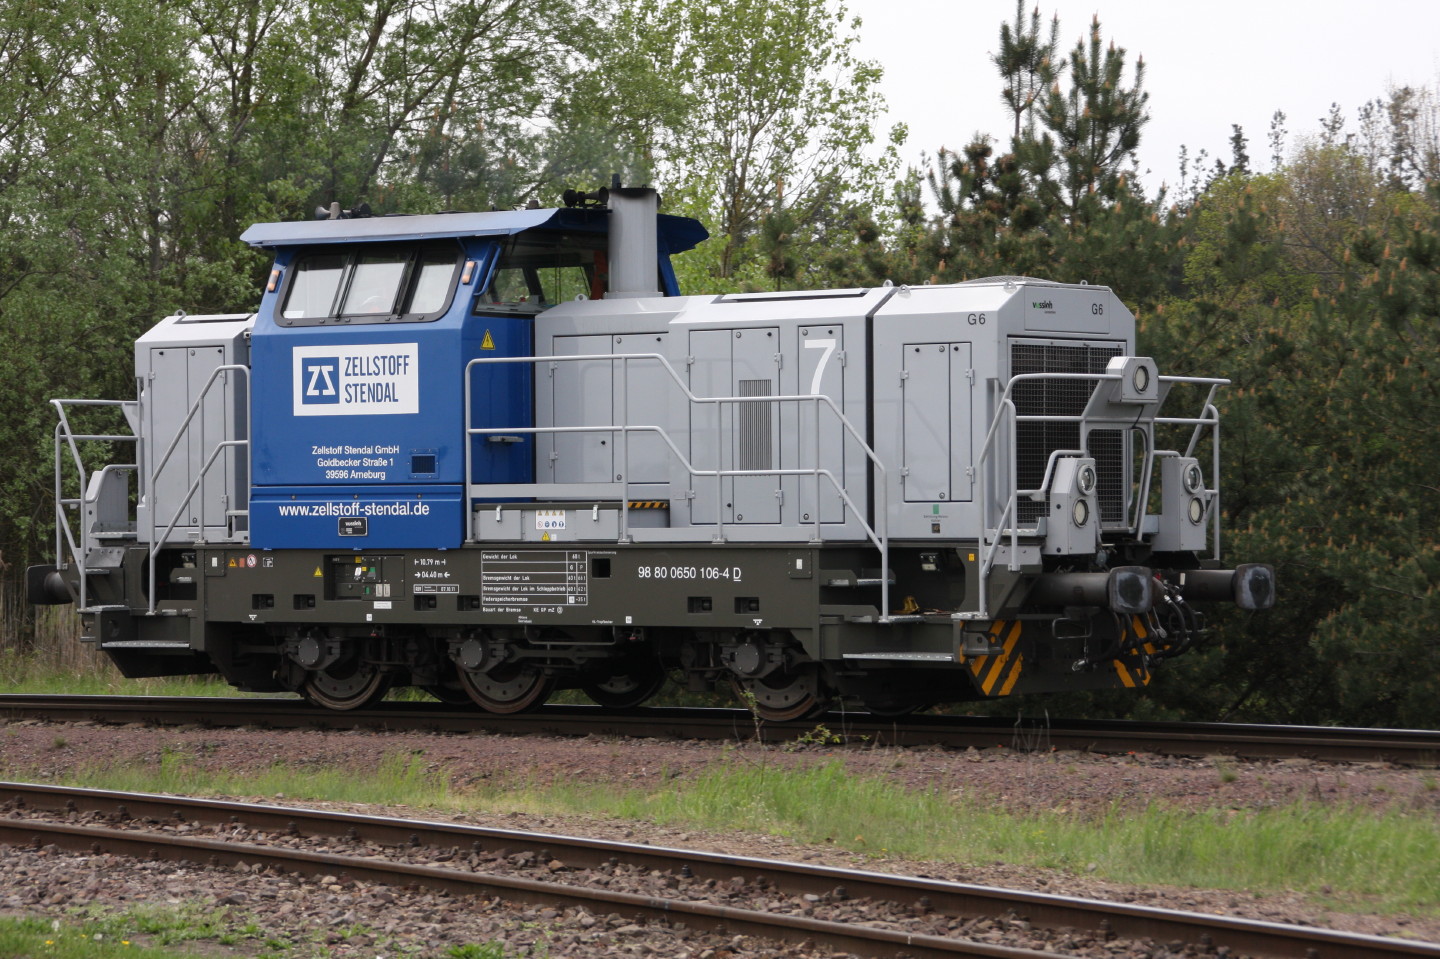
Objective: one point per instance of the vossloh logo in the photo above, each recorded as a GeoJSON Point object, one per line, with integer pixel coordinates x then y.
{"type": "Point", "coordinates": [357, 380]}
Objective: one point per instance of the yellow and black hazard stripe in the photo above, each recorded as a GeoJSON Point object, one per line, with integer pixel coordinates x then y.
{"type": "Point", "coordinates": [997, 673]}
{"type": "Point", "coordinates": [1139, 676]}
{"type": "Point", "coordinates": [649, 504]}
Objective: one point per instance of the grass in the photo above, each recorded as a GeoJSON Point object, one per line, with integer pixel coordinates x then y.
{"type": "Point", "coordinates": [185, 931]}
{"type": "Point", "coordinates": [138, 933]}
{"type": "Point", "coordinates": [1391, 860]}
{"type": "Point", "coordinates": [56, 661]}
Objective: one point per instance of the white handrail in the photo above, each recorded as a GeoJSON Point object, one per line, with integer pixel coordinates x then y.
{"type": "Point", "coordinates": [157, 468]}
{"type": "Point", "coordinates": [877, 534]}
{"type": "Point", "coordinates": [67, 438]}
{"type": "Point", "coordinates": [1007, 415]}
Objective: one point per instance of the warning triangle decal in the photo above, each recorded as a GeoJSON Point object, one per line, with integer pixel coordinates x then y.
{"type": "Point", "coordinates": [318, 574]}
{"type": "Point", "coordinates": [488, 343]}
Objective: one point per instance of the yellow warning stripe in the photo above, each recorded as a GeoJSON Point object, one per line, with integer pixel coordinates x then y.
{"type": "Point", "coordinates": [1003, 667]}
{"type": "Point", "coordinates": [1132, 678]}
{"type": "Point", "coordinates": [650, 504]}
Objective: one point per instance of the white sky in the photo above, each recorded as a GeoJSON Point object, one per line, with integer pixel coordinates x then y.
{"type": "Point", "coordinates": [1207, 65]}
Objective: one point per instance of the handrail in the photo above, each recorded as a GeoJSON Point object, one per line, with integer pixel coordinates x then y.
{"type": "Point", "coordinates": [175, 518]}
{"type": "Point", "coordinates": [878, 536]}
{"type": "Point", "coordinates": [67, 438]}
{"type": "Point", "coordinates": [157, 468]}
{"type": "Point", "coordinates": [1007, 415]}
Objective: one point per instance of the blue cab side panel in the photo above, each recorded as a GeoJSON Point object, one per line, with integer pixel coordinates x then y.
{"type": "Point", "coordinates": [372, 417]}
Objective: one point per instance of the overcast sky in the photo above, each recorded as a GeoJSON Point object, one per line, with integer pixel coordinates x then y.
{"type": "Point", "coordinates": [1207, 65]}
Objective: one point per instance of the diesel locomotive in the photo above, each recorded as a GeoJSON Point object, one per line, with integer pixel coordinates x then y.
{"type": "Point", "coordinates": [496, 454]}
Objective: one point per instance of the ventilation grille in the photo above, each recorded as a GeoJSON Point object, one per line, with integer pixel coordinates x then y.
{"type": "Point", "coordinates": [754, 418]}
{"type": "Point", "coordinates": [1036, 441]}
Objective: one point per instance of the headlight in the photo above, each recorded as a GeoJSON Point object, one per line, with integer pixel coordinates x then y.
{"type": "Point", "coordinates": [1141, 380]}
{"type": "Point", "coordinates": [1086, 479]}
{"type": "Point", "coordinates": [1197, 511]}
{"type": "Point", "coordinates": [1194, 479]}
{"type": "Point", "coordinates": [1081, 512]}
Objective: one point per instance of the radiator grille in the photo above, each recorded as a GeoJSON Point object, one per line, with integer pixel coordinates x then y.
{"type": "Point", "coordinates": [756, 442]}
{"type": "Point", "coordinates": [1036, 441]}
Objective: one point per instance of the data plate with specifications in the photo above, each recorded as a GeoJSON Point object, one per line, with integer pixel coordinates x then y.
{"type": "Point", "coordinates": [549, 578]}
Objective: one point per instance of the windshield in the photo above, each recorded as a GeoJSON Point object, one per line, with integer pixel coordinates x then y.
{"type": "Point", "coordinates": [371, 285]}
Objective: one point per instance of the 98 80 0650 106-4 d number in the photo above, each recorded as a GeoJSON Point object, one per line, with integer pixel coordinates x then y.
{"type": "Point", "coordinates": [731, 573]}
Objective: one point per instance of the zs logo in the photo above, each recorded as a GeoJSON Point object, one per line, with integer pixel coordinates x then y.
{"type": "Point", "coordinates": [320, 379]}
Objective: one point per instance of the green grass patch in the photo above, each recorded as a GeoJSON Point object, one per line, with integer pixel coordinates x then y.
{"type": "Point", "coordinates": [1391, 860]}
{"type": "Point", "coordinates": [397, 779]}
{"type": "Point", "coordinates": [1392, 857]}
{"type": "Point", "coordinates": [20, 679]}
{"type": "Point", "coordinates": [138, 934]}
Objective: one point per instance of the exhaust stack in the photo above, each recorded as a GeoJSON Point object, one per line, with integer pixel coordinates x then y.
{"type": "Point", "coordinates": [634, 262]}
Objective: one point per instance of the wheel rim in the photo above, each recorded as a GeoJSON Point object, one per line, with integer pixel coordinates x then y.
{"type": "Point", "coordinates": [785, 696]}
{"type": "Point", "coordinates": [628, 687]}
{"type": "Point", "coordinates": [349, 689]}
{"type": "Point", "coordinates": [508, 688]}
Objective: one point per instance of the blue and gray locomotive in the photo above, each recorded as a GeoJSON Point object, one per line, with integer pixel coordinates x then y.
{"type": "Point", "coordinates": [493, 454]}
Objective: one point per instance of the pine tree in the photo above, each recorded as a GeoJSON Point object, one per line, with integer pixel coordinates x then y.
{"type": "Point", "coordinates": [1026, 63]}
{"type": "Point", "coordinates": [1096, 123]}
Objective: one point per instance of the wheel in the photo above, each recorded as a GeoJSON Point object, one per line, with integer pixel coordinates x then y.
{"type": "Point", "coordinates": [783, 696]}
{"type": "Point", "coordinates": [629, 686]}
{"type": "Point", "coordinates": [508, 688]}
{"type": "Point", "coordinates": [348, 687]}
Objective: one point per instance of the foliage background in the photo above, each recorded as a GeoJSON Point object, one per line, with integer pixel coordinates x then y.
{"type": "Point", "coordinates": [138, 140]}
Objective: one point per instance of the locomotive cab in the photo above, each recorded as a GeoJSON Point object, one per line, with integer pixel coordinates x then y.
{"type": "Point", "coordinates": [359, 365]}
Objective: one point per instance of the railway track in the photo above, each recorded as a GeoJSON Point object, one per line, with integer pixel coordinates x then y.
{"type": "Point", "coordinates": [157, 827]}
{"type": "Point", "coordinates": [1334, 744]}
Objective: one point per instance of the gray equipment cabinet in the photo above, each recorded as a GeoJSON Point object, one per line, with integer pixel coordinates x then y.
{"type": "Point", "coordinates": [193, 462]}
{"type": "Point", "coordinates": [943, 355]}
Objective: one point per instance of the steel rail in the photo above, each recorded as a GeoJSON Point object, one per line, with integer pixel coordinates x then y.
{"type": "Point", "coordinates": [727, 920]}
{"type": "Point", "coordinates": [1243, 741]}
{"type": "Point", "coordinates": [948, 898]}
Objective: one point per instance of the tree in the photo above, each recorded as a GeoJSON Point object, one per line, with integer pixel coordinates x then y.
{"type": "Point", "coordinates": [1026, 63]}
{"type": "Point", "coordinates": [1096, 123]}
{"type": "Point", "coordinates": [140, 140]}
{"type": "Point", "coordinates": [777, 116]}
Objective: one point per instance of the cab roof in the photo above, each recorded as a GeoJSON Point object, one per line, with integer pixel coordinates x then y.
{"type": "Point", "coordinates": [677, 233]}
